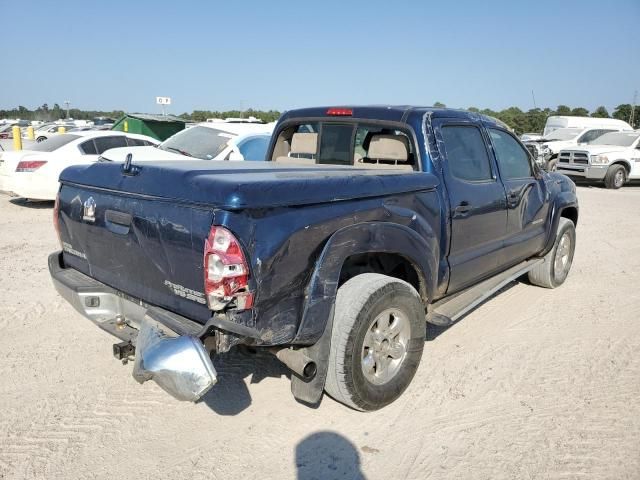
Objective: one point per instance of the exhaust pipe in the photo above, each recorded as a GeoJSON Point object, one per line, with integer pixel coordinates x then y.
{"type": "Point", "coordinates": [297, 362]}
{"type": "Point", "coordinates": [180, 365]}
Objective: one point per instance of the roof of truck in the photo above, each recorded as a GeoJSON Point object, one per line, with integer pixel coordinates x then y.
{"type": "Point", "coordinates": [398, 113]}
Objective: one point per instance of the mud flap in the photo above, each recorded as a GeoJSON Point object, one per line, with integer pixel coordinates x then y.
{"type": "Point", "coordinates": [310, 393]}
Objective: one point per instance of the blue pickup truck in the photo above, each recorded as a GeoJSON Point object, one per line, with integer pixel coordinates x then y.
{"type": "Point", "coordinates": [364, 225]}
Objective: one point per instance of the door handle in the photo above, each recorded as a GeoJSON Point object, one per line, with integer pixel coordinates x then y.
{"type": "Point", "coordinates": [120, 218]}
{"type": "Point", "coordinates": [464, 207]}
{"type": "Point", "coordinates": [118, 222]}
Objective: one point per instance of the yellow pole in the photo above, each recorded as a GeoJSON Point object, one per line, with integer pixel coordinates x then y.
{"type": "Point", "coordinates": [30, 133]}
{"type": "Point", "coordinates": [17, 138]}
{"type": "Point", "coordinates": [61, 130]}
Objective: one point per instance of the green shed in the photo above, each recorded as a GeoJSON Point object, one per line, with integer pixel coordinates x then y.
{"type": "Point", "coordinates": [159, 127]}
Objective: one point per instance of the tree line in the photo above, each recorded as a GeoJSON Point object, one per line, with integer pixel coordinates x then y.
{"type": "Point", "coordinates": [46, 113]}
{"type": "Point", "coordinates": [532, 120]}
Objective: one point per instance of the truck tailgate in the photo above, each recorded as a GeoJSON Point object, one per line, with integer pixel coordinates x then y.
{"type": "Point", "coordinates": [150, 249]}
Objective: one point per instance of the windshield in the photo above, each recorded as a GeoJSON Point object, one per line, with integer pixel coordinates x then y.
{"type": "Point", "coordinates": [200, 142]}
{"type": "Point", "coordinates": [564, 134]}
{"type": "Point", "coordinates": [616, 138]}
{"type": "Point", "coordinates": [54, 143]}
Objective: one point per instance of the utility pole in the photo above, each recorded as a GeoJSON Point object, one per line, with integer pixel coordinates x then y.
{"type": "Point", "coordinates": [633, 108]}
{"type": "Point", "coordinates": [534, 100]}
{"type": "Point", "coordinates": [66, 104]}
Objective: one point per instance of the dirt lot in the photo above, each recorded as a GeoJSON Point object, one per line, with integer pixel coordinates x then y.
{"type": "Point", "coordinates": [534, 384]}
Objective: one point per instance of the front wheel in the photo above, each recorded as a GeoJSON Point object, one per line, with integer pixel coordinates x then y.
{"type": "Point", "coordinates": [616, 177]}
{"type": "Point", "coordinates": [40, 139]}
{"type": "Point", "coordinates": [553, 271]}
{"type": "Point", "coordinates": [377, 341]}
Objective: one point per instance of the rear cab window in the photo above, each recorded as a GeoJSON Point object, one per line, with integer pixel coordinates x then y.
{"type": "Point", "coordinates": [348, 143]}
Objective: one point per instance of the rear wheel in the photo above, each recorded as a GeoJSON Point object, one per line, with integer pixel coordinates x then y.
{"type": "Point", "coordinates": [41, 139]}
{"type": "Point", "coordinates": [554, 270]}
{"type": "Point", "coordinates": [616, 177]}
{"type": "Point", "coordinates": [377, 341]}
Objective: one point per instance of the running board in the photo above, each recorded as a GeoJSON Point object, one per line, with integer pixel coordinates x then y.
{"type": "Point", "coordinates": [450, 309]}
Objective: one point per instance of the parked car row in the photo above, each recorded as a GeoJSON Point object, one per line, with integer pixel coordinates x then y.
{"type": "Point", "coordinates": [34, 173]}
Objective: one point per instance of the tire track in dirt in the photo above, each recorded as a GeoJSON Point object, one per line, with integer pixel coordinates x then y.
{"type": "Point", "coordinates": [55, 433]}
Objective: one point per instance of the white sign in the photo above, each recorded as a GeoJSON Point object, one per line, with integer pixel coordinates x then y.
{"type": "Point", "coordinates": [163, 100]}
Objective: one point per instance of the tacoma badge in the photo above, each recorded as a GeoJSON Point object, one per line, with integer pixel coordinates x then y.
{"type": "Point", "coordinates": [89, 210]}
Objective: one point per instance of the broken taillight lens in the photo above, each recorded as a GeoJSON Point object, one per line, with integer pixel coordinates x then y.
{"type": "Point", "coordinates": [226, 272]}
{"type": "Point", "coordinates": [29, 165]}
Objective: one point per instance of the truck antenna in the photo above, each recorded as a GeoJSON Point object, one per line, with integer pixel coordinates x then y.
{"type": "Point", "coordinates": [633, 108]}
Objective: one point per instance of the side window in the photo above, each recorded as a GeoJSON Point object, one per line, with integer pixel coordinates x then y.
{"type": "Point", "coordinates": [591, 135]}
{"type": "Point", "coordinates": [335, 144]}
{"type": "Point", "coordinates": [466, 153]}
{"type": "Point", "coordinates": [135, 142]}
{"type": "Point", "coordinates": [105, 143]}
{"type": "Point", "coordinates": [513, 160]}
{"type": "Point", "coordinates": [88, 148]}
{"type": "Point", "coordinates": [254, 148]}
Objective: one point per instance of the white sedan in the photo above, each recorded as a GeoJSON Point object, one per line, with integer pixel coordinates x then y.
{"type": "Point", "coordinates": [34, 173]}
{"type": "Point", "coordinates": [206, 141]}
{"type": "Point", "coordinates": [45, 132]}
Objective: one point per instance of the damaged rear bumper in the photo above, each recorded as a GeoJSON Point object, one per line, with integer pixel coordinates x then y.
{"type": "Point", "coordinates": [168, 348]}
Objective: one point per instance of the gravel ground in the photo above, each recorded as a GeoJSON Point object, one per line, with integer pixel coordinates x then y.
{"type": "Point", "coordinates": [534, 384]}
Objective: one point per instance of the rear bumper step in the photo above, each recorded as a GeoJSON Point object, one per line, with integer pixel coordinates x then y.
{"type": "Point", "coordinates": [110, 309]}
{"type": "Point", "coordinates": [167, 347]}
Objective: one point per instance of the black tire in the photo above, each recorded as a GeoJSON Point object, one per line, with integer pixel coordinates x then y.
{"type": "Point", "coordinates": [616, 177]}
{"type": "Point", "coordinates": [40, 139]}
{"type": "Point", "coordinates": [547, 274]}
{"type": "Point", "coordinates": [359, 303]}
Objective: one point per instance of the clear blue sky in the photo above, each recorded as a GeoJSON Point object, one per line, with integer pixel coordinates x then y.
{"type": "Point", "coordinates": [116, 54]}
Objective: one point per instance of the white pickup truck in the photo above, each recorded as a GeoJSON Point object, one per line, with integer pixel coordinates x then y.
{"type": "Point", "coordinates": [614, 157]}
{"type": "Point", "coordinates": [547, 147]}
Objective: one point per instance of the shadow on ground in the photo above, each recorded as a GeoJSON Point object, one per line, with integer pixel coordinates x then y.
{"type": "Point", "coordinates": [230, 395]}
{"type": "Point", "coordinates": [35, 204]}
{"type": "Point", "coordinates": [327, 455]}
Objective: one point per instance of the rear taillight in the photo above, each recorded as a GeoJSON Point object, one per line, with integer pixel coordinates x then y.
{"type": "Point", "coordinates": [226, 273]}
{"type": "Point", "coordinates": [30, 165]}
{"type": "Point", "coordinates": [56, 222]}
